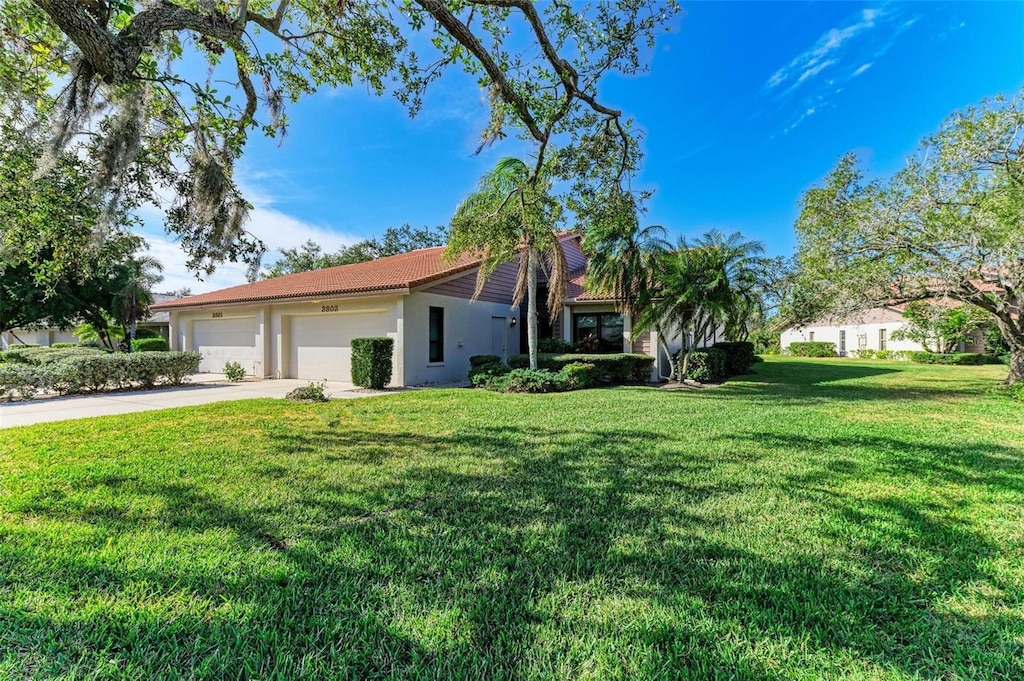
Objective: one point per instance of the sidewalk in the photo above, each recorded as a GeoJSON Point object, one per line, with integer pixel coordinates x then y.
{"type": "Point", "coordinates": [205, 389]}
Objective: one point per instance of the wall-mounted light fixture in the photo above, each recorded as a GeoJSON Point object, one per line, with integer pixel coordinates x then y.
{"type": "Point", "coordinates": [512, 321]}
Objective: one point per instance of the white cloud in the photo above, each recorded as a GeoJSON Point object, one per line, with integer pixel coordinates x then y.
{"type": "Point", "coordinates": [275, 228]}
{"type": "Point", "coordinates": [861, 69]}
{"type": "Point", "coordinates": [825, 50]}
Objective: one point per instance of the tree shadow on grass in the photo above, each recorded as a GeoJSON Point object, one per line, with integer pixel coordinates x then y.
{"type": "Point", "coordinates": [524, 552]}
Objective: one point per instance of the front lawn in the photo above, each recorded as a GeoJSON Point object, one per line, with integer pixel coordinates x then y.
{"type": "Point", "coordinates": [821, 519]}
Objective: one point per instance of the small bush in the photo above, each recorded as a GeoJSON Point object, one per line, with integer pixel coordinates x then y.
{"type": "Point", "coordinates": [484, 374]}
{"type": "Point", "coordinates": [64, 345]}
{"type": "Point", "coordinates": [1016, 391]}
{"type": "Point", "coordinates": [531, 381]}
{"type": "Point", "coordinates": [24, 380]}
{"type": "Point", "coordinates": [739, 357]}
{"type": "Point", "coordinates": [960, 358]}
{"type": "Point", "coordinates": [553, 346]}
{"type": "Point", "coordinates": [314, 392]}
{"type": "Point", "coordinates": [706, 365]}
{"type": "Point", "coordinates": [483, 360]}
{"type": "Point", "coordinates": [885, 354]}
{"type": "Point", "coordinates": [158, 344]}
{"type": "Point", "coordinates": [864, 353]}
{"type": "Point", "coordinates": [613, 368]}
{"type": "Point", "coordinates": [234, 371]}
{"type": "Point", "coordinates": [580, 375]}
{"type": "Point", "coordinates": [371, 362]}
{"type": "Point", "coordinates": [813, 349]}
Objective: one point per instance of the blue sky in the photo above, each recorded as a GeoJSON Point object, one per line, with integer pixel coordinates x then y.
{"type": "Point", "coordinates": [744, 107]}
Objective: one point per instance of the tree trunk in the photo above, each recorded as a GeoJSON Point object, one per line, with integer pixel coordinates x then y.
{"type": "Point", "coordinates": [531, 305]}
{"type": "Point", "coordinates": [687, 351]}
{"type": "Point", "coordinates": [1016, 365]}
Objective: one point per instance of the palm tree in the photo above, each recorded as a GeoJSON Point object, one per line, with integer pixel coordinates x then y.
{"type": "Point", "coordinates": [138, 277]}
{"type": "Point", "coordinates": [700, 286]}
{"type": "Point", "coordinates": [102, 334]}
{"type": "Point", "coordinates": [513, 215]}
{"type": "Point", "coordinates": [621, 255]}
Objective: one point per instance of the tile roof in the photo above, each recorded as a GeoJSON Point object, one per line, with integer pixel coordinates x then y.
{"type": "Point", "coordinates": [394, 273]}
{"type": "Point", "coordinates": [576, 291]}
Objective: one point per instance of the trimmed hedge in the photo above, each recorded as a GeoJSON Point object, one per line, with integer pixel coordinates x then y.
{"type": "Point", "coordinates": [812, 349]}
{"type": "Point", "coordinates": [739, 356]}
{"type": "Point", "coordinates": [530, 381]}
{"type": "Point", "coordinates": [96, 371]}
{"type": "Point", "coordinates": [613, 368]}
{"type": "Point", "coordinates": [580, 375]}
{"type": "Point", "coordinates": [371, 362]}
{"type": "Point", "coordinates": [158, 344]}
{"type": "Point", "coordinates": [961, 358]}
{"type": "Point", "coordinates": [706, 365]}
{"type": "Point", "coordinates": [554, 346]}
{"type": "Point", "coordinates": [41, 356]}
{"type": "Point", "coordinates": [483, 360]}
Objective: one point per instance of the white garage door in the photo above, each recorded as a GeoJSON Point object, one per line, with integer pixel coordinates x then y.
{"type": "Point", "coordinates": [226, 340]}
{"type": "Point", "coordinates": [321, 346]}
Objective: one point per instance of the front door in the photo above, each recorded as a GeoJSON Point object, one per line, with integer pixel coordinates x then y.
{"type": "Point", "coordinates": [498, 336]}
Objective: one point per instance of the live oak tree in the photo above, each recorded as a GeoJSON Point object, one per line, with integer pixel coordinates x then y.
{"type": "Point", "coordinates": [940, 328]}
{"type": "Point", "coordinates": [161, 96]}
{"type": "Point", "coordinates": [949, 225]}
{"type": "Point", "coordinates": [56, 268]}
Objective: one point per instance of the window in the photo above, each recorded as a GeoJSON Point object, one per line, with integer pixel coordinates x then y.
{"type": "Point", "coordinates": [436, 352]}
{"type": "Point", "coordinates": [811, 337]}
{"type": "Point", "coordinates": [881, 339]}
{"type": "Point", "coordinates": [862, 340]}
{"type": "Point", "coordinates": [597, 332]}
{"type": "Point", "coordinates": [842, 341]}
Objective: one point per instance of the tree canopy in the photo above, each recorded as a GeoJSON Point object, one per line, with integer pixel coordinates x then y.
{"type": "Point", "coordinates": [135, 101]}
{"type": "Point", "coordinates": [949, 225]}
{"type": "Point", "coordinates": [395, 240]}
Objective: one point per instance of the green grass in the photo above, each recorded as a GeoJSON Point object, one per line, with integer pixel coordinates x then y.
{"type": "Point", "coordinates": [821, 519]}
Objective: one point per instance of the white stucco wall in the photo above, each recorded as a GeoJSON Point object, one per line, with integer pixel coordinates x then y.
{"type": "Point", "coordinates": [44, 337]}
{"type": "Point", "coordinates": [856, 333]}
{"type": "Point", "coordinates": [467, 332]}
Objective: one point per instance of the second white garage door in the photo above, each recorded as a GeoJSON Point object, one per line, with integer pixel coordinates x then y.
{"type": "Point", "coordinates": [226, 340]}
{"type": "Point", "coordinates": [321, 346]}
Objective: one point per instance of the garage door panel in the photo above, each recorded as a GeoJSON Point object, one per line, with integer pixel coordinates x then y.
{"type": "Point", "coordinates": [321, 346]}
{"type": "Point", "coordinates": [225, 340]}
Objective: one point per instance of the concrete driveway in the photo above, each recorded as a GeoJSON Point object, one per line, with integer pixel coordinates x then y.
{"type": "Point", "coordinates": [204, 389]}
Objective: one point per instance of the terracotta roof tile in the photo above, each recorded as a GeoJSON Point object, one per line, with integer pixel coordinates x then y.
{"type": "Point", "coordinates": [397, 272]}
{"type": "Point", "coordinates": [577, 289]}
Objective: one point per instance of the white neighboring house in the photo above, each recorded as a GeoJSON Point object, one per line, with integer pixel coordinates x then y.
{"type": "Point", "coordinates": [867, 330]}
{"type": "Point", "coordinates": [47, 335]}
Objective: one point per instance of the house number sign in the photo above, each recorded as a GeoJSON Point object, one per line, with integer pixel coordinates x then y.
{"type": "Point", "coordinates": [217, 315]}
{"type": "Point", "coordinates": [328, 308]}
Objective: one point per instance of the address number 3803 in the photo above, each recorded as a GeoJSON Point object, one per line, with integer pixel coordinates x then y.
{"type": "Point", "coordinates": [328, 308]}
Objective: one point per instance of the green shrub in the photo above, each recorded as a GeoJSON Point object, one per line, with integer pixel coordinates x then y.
{"type": "Point", "coordinates": [529, 381]}
{"type": "Point", "coordinates": [22, 379]}
{"type": "Point", "coordinates": [314, 392]}
{"type": "Point", "coordinates": [580, 375]}
{"type": "Point", "coordinates": [371, 362]}
{"type": "Point", "coordinates": [234, 371]}
{"type": "Point", "coordinates": [64, 345]}
{"type": "Point", "coordinates": [706, 365]}
{"type": "Point", "coordinates": [40, 356]}
{"type": "Point", "coordinates": [483, 360]}
{"type": "Point", "coordinates": [483, 374]}
{"type": "Point", "coordinates": [613, 368]}
{"type": "Point", "coordinates": [960, 358]}
{"type": "Point", "coordinates": [553, 346]}
{"type": "Point", "coordinates": [813, 349]}
{"type": "Point", "coordinates": [144, 332]}
{"type": "Point", "coordinates": [865, 353]}
{"type": "Point", "coordinates": [158, 344]}
{"type": "Point", "coordinates": [1016, 391]}
{"type": "Point", "coordinates": [739, 357]}
{"type": "Point", "coordinates": [885, 354]}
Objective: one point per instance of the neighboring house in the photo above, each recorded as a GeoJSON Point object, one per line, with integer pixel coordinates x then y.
{"type": "Point", "coordinates": [302, 325]}
{"type": "Point", "coordinates": [867, 330]}
{"type": "Point", "coordinates": [157, 322]}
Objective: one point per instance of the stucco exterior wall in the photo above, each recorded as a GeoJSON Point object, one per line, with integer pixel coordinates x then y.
{"type": "Point", "coordinates": [859, 336]}
{"type": "Point", "coordinates": [467, 332]}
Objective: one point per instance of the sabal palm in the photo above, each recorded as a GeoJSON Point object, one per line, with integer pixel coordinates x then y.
{"type": "Point", "coordinates": [512, 215]}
